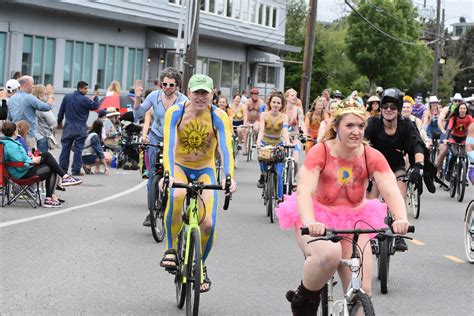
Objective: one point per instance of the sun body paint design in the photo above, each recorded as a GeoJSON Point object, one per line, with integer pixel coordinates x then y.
{"type": "Point", "coordinates": [194, 137]}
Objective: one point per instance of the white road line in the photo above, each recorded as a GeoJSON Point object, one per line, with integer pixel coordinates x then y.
{"type": "Point", "coordinates": [73, 208]}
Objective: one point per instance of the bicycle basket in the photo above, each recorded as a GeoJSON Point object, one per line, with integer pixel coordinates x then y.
{"type": "Point", "coordinates": [271, 154]}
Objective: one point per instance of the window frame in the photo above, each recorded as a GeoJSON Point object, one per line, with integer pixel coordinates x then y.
{"type": "Point", "coordinates": [30, 66]}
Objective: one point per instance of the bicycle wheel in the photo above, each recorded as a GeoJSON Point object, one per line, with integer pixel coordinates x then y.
{"type": "Point", "coordinates": [414, 200]}
{"type": "Point", "coordinates": [323, 309]}
{"type": "Point", "coordinates": [469, 232]}
{"type": "Point", "coordinates": [249, 148]}
{"type": "Point", "coordinates": [384, 264]}
{"type": "Point", "coordinates": [434, 152]}
{"type": "Point", "coordinates": [361, 300]}
{"type": "Point", "coordinates": [453, 182]}
{"type": "Point", "coordinates": [157, 219]}
{"type": "Point", "coordinates": [462, 174]}
{"type": "Point", "coordinates": [178, 279]}
{"type": "Point", "coordinates": [270, 194]}
{"type": "Point", "coordinates": [193, 274]}
{"type": "Point", "coordinates": [288, 186]}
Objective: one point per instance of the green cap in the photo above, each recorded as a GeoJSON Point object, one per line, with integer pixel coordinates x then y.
{"type": "Point", "coordinates": [200, 82]}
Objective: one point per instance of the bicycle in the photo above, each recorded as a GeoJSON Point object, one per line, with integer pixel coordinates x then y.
{"type": "Point", "coordinates": [219, 166]}
{"type": "Point", "coordinates": [469, 232]}
{"type": "Point", "coordinates": [158, 201]}
{"type": "Point", "coordinates": [457, 169]}
{"type": "Point", "coordinates": [235, 146]}
{"type": "Point", "coordinates": [190, 274]}
{"type": "Point", "coordinates": [270, 155]}
{"type": "Point", "coordinates": [289, 169]}
{"type": "Point", "coordinates": [354, 295]}
{"type": "Point", "coordinates": [434, 148]}
{"type": "Point", "coordinates": [414, 191]}
{"type": "Point", "coordinates": [250, 141]}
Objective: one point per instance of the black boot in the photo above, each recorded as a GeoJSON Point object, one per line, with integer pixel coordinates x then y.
{"type": "Point", "coordinates": [261, 181]}
{"type": "Point", "coordinates": [303, 301]}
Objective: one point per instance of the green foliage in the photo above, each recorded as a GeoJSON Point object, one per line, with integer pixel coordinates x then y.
{"type": "Point", "coordinates": [446, 82]}
{"type": "Point", "coordinates": [385, 61]}
{"type": "Point", "coordinates": [465, 55]}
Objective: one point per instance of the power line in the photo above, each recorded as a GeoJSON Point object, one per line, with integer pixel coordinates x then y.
{"type": "Point", "coordinates": [383, 32]}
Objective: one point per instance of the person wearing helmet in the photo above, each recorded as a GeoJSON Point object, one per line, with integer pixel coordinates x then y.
{"type": "Point", "coordinates": [394, 136]}
{"type": "Point", "coordinates": [251, 116]}
{"type": "Point", "coordinates": [378, 92]}
{"type": "Point", "coordinates": [337, 95]}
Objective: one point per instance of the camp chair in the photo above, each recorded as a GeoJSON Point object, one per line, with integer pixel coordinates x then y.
{"type": "Point", "coordinates": [14, 189]}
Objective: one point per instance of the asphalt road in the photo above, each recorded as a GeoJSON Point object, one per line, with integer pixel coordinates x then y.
{"type": "Point", "coordinates": [98, 259]}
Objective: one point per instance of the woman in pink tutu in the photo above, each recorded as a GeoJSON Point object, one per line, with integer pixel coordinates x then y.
{"type": "Point", "coordinates": [331, 193]}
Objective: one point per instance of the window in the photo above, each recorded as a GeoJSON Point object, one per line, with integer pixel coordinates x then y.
{"type": "Point", "coordinates": [267, 15]}
{"type": "Point", "coordinates": [220, 7]}
{"type": "Point", "coordinates": [110, 65]}
{"type": "Point", "coordinates": [212, 6]}
{"type": "Point", "coordinates": [229, 8]}
{"type": "Point", "coordinates": [260, 14]}
{"type": "Point", "coordinates": [238, 69]}
{"type": "Point", "coordinates": [38, 58]}
{"type": "Point", "coordinates": [215, 71]}
{"type": "Point", "coordinates": [3, 49]}
{"type": "Point", "coordinates": [266, 75]}
{"type": "Point", "coordinates": [274, 20]}
{"type": "Point", "coordinates": [226, 78]}
{"type": "Point", "coordinates": [202, 5]}
{"type": "Point", "coordinates": [201, 65]}
{"type": "Point", "coordinates": [245, 6]}
{"type": "Point", "coordinates": [135, 65]}
{"type": "Point", "coordinates": [77, 63]}
{"type": "Point", "coordinates": [253, 11]}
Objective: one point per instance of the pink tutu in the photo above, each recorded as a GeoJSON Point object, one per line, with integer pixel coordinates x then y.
{"type": "Point", "coordinates": [370, 213]}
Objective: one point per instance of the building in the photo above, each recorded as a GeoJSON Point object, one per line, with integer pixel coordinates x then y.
{"type": "Point", "coordinates": [460, 28]}
{"type": "Point", "coordinates": [241, 42]}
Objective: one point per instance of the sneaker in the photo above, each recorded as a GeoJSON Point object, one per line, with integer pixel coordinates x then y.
{"type": "Point", "coordinates": [261, 182]}
{"type": "Point", "coordinates": [49, 202]}
{"type": "Point", "coordinates": [65, 182]}
{"type": "Point", "coordinates": [147, 222]}
{"type": "Point", "coordinates": [400, 244]}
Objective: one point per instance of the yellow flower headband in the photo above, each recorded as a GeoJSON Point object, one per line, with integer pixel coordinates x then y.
{"type": "Point", "coordinates": [350, 106]}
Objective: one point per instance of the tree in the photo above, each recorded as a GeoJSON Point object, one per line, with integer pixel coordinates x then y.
{"type": "Point", "coordinates": [385, 61]}
{"type": "Point", "coordinates": [464, 53]}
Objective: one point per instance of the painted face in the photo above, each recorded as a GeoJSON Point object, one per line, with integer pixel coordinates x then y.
{"type": "Point", "coordinates": [275, 104]}
{"type": "Point", "coordinates": [169, 86]}
{"type": "Point", "coordinates": [462, 110]}
{"type": "Point", "coordinates": [407, 109]}
{"type": "Point", "coordinates": [200, 99]}
{"type": "Point", "coordinates": [222, 103]}
{"type": "Point", "coordinates": [351, 130]}
{"type": "Point", "coordinates": [389, 111]}
{"type": "Point", "coordinates": [237, 100]}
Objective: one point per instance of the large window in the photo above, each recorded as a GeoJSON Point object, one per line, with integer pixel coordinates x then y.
{"type": "Point", "coordinates": [225, 74]}
{"type": "Point", "coordinates": [110, 65]}
{"type": "Point", "coordinates": [38, 58]}
{"type": "Point", "coordinates": [3, 49]}
{"type": "Point", "coordinates": [77, 63]}
{"type": "Point", "coordinates": [135, 66]}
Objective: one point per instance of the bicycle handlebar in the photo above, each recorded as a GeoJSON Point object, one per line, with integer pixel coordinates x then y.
{"type": "Point", "coordinates": [333, 232]}
{"type": "Point", "coordinates": [159, 145]}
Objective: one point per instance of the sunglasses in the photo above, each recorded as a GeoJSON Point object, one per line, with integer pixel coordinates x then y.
{"type": "Point", "coordinates": [171, 85]}
{"type": "Point", "coordinates": [392, 106]}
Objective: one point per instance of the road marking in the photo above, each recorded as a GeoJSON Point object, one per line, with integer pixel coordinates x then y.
{"type": "Point", "coordinates": [73, 208]}
{"type": "Point", "coordinates": [455, 259]}
{"type": "Point", "coordinates": [417, 242]}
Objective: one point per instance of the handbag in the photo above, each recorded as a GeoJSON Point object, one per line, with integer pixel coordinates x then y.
{"type": "Point", "coordinates": [52, 141]}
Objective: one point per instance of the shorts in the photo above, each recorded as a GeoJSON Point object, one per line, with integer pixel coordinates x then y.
{"type": "Point", "coordinates": [89, 159]}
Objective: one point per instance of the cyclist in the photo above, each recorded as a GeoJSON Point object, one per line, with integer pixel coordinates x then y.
{"type": "Point", "coordinates": [251, 115]}
{"type": "Point", "coordinates": [273, 131]}
{"type": "Point", "coordinates": [193, 131]}
{"type": "Point", "coordinates": [238, 119]}
{"type": "Point", "coordinates": [394, 136]}
{"type": "Point", "coordinates": [373, 106]}
{"type": "Point", "coordinates": [295, 122]}
{"type": "Point", "coordinates": [331, 193]}
{"type": "Point", "coordinates": [160, 100]}
{"type": "Point", "coordinates": [430, 119]}
{"type": "Point", "coordinates": [457, 129]}
{"type": "Point", "coordinates": [313, 120]}
{"type": "Point", "coordinates": [443, 119]}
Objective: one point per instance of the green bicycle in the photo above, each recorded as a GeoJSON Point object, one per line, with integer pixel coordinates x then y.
{"type": "Point", "coordinates": [190, 273]}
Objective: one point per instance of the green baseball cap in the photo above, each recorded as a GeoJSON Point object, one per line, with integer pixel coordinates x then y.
{"type": "Point", "coordinates": [200, 82]}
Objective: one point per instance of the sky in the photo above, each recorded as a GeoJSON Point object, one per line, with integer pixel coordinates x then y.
{"type": "Point", "coordinates": [329, 10]}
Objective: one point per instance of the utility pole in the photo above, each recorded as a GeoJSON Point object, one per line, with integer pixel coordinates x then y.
{"type": "Point", "coordinates": [434, 87]}
{"type": "Point", "coordinates": [191, 41]}
{"type": "Point", "coordinates": [308, 53]}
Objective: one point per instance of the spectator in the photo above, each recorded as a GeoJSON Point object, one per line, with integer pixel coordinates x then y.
{"type": "Point", "coordinates": [244, 97]}
{"type": "Point", "coordinates": [102, 114]}
{"type": "Point", "coordinates": [110, 126]}
{"type": "Point", "coordinates": [114, 88]}
{"type": "Point", "coordinates": [16, 75]}
{"type": "Point", "coordinates": [75, 107]}
{"type": "Point", "coordinates": [93, 154]}
{"type": "Point", "coordinates": [11, 86]}
{"type": "Point", "coordinates": [46, 120]}
{"type": "Point", "coordinates": [45, 166]}
{"type": "Point", "coordinates": [23, 128]}
{"type": "Point", "coordinates": [23, 106]}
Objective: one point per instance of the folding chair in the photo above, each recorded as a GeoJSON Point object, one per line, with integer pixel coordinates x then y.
{"type": "Point", "coordinates": [14, 189]}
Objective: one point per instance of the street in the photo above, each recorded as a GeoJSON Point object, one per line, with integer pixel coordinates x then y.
{"type": "Point", "coordinates": [100, 260]}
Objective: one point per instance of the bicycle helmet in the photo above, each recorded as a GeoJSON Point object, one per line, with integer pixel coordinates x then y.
{"type": "Point", "coordinates": [379, 90]}
{"type": "Point", "coordinates": [393, 95]}
{"type": "Point", "coordinates": [337, 94]}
